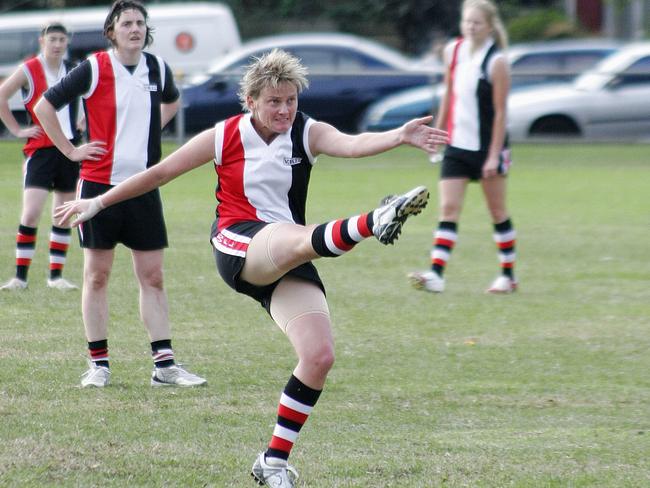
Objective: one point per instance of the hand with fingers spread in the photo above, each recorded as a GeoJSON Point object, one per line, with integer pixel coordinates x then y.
{"type": "Point", "coordinates": [31, 132]}
{"type": "Point", "coordinates": [92, 151]}
{"type": "Point", "coordinates": [84, 209]}
{"type": "Point", "coordinates": [419, 133]}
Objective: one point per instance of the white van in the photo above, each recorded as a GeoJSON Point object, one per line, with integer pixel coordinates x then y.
{"type": "Point", "coordinates": [189, 36]}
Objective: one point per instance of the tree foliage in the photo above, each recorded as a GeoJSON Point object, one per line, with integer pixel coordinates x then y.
{"type": "Point", "coordinates": [410, 25]}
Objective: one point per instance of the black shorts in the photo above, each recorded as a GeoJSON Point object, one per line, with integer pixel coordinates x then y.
{"type": "Point", "coordinates": [229, 247]}
{"type": "Point", "coordinates": [461, 163]}
{"type": "Point", "coordinates": [137, 223]}
{"type": "Point", "coordinates": [48, 168]}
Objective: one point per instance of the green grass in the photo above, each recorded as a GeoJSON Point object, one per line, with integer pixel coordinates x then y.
{"type": "Point", "coordinates": [545, 388]}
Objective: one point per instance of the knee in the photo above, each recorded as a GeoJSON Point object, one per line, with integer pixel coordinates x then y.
{"type": "Point", "coordinates": [321, 358]}
{"type": "Point", "coordinates": [96, 279]}
{"type": "Point", "coordinates": [152, 279]}
{"type": "Point", "coordinates": [449, 210]}
{"type": "Point", "coordinates": [290, 245]}
{"type": "Point", "coordinates": [30, 218]}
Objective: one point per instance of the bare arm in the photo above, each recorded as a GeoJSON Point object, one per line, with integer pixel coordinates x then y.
{"type": "Point", "coordinates": [47, 116]}
{"type": "Point", "coordinates": [500, 89]}
{"type": "Point", "coordinates": [326, 139]}
{"type": "Point", "coordinates": [167, 112]}
{"type": "Point", "coordinates": [443, 109]}
{"type": "Point", "coordinates": [192, 154]}
{"type": "Point", "coordinates": [8, 88]}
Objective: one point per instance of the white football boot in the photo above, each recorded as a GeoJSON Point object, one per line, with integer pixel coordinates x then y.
{"type": "Point", "coordinates": [427, 281]}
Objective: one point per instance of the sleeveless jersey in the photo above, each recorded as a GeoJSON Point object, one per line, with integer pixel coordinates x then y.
{"type": "Point", "coordinates": [259, 181]}
{"type": "Point", "coordinates": [471, 109]}
{"type": "Point", "coordinates": [39, 79]}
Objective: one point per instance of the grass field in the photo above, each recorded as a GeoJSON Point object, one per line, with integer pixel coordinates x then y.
{"type": "Point", "coordinates": [549, 387]}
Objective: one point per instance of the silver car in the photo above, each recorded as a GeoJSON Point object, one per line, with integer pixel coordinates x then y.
{"type": "Point", "coordinates": [530, 64]}
{"type": "Point", "coordinates": [609, 102]}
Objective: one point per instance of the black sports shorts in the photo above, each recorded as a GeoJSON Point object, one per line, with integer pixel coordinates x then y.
{"type": "Point", "coordinates": [461, 163]}
{"type": "Point", "coordinates": [229, 248]}
{"type": "Point", "coordinates": [48, 168]}
{"type": "Point", "coordinates": [138, 223]}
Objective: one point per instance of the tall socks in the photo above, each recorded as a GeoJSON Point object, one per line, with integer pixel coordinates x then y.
{"type": "Point", "coordinates": [296, 403]}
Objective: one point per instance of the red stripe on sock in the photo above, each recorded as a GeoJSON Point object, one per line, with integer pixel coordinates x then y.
{"type": "Point", "coordinates": [362, 226]}
{"type": "Point", "coordinates": [59, 246]}
{"type": "Point", "coordinates": [291, 414]}
{"type": "Point", "coordinates": [98, 353]}
{"type": "Point", "coordinates": [25, 239]}
{"type": "Point", "coordinates": [338, 239]}
{"type": "Point", "coordinates": [507, 265]}
{"type": "Point", "coordinates": [439, 241]}
{"type": "Point", "coordinates": [56, 266]}
{"type": "Point", "coordinates": [280, 444]}
{"type": "Point", "coordinates": [23, 262]}
{"type": "Point", "coordinates": [441, 262]}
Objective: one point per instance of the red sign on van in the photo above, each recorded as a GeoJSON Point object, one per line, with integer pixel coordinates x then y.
{"type": "Point", "coordinates": [184, 42]}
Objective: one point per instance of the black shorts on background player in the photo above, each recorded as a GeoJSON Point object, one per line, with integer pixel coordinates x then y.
{"type": "Point", "coordinates": [48, 168]}
{"type": "Point", "coordinates": [137, 223]}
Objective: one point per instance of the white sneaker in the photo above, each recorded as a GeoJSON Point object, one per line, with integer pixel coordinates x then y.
{"type": "Point", "coordinates": [175, 375]}
{"type": "Point", "coordinates": [97, 376]}
{"type": "Point", "coordinates": [14, 284]}
{"type": "Point", "coordinates": [389, 218]}
{"type": "Point", "coordinates": [428, 281]}
{"type": "Point", "coordinates": [503, 284]}
{"type": "Point", "coordinates": [61, 284]}
{"type": "Point", "coordinates": [274, 474]}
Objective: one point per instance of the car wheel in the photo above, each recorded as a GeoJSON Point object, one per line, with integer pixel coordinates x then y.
{"type": "Point", "coordinates": [555, 125]}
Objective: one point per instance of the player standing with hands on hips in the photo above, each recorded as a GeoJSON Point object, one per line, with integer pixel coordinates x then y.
{"type": "Point", "coordinates": [46, 169]}
{"type": "Point", "coordinates": [129, 96]}
{"type": "Point", "coordinates": [474, 111]}
{"type": "Point", "coordinates": [262, 245]}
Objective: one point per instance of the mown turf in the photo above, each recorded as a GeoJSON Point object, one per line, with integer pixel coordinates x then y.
{"type": "Point", "coordinates": [545, 388]}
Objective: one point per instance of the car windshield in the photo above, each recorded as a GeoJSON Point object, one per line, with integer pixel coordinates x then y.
{"type": "Point", "coordinates": [628, 67]}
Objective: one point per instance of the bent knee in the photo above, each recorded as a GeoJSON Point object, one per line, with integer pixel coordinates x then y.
{"type": "Point", "coordinates": [320, 359]}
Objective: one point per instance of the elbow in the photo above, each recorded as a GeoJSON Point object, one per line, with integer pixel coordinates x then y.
{"type": "Point", "coordinates": [40, 109]}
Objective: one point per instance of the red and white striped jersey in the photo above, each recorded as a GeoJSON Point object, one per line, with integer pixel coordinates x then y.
{"type": "Point", "coordinates": [122, 110]}
{"type": "Point", "coordinates": [471, 111]}
{"type": "Point", "coordinates": [259, 181]}
{"type": "Point", "coordinates": [39, 79]}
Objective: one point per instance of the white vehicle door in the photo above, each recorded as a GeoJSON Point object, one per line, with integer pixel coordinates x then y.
{"type": "Point", "coordinates": [622, 108]}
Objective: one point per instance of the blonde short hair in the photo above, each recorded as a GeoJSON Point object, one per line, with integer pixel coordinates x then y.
{"type": "Point", "coordinates": [270, 70]}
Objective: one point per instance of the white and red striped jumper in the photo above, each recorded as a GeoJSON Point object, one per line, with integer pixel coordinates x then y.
{"type": "Point", "coordinates": [469, 123]}
{"type": "Point", "coordinates": [268, 183]}
{"type": "Point", "coordinates": [123, 110]}
{"type": "Point", "coordinates": [39, 79]}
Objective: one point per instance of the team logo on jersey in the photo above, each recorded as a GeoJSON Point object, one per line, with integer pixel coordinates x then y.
{"type": "Point", "coordinates": [292, 161]}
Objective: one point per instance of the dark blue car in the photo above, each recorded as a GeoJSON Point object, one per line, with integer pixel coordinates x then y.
{"type": "Point", "coordinates": [346, 74]}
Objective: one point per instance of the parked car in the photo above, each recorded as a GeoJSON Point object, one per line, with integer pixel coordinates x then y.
{"type": "Point", "coordinates": [346, 74]}
{"type": "Point", "coordinates": [610, 101]}
{"type": "Point", "coordinates": [530, 64]}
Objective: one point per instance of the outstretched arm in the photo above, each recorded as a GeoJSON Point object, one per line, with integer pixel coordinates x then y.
{"type": "Point", "coordinates": [326, 139]}
{"type": "Point", "coordinates": [192, 154]}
